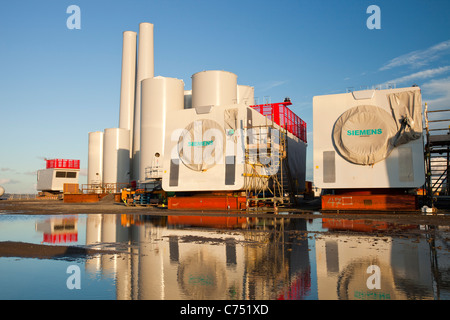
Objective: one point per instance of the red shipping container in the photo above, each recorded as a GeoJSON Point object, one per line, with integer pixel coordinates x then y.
{"type": "Point", "coordinates": [284, 117]}
{"type": "Point", "coordinates": [63, 164]}
{"type": "Point", "coordinates": [50, 164]}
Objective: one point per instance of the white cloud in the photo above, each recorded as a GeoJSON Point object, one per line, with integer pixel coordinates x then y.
{"type": "Point", "coordinates": [8, 181]}
{"type": "Point", "coordinates": [273, 84]}
{"type": "Point", "coordinates": [436, 93]}
{"type": "Point", "coordinates": [419, 58]}
{"type": "Point", "coordinates": [419, 75]}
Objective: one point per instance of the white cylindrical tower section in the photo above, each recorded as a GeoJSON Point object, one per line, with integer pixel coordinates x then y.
{"type": "Point", "coordinates": [246, 95]}
{"type": "Point", "coordinates": [145, 69]}
{"type": "Point", "coordinates": [214, 88]}
{"type": "Point", "coordinates": [160, 98]}
{"type": "Point", "coordinates": [95, 159]}
{"type": "Point", "coordinates": [116, 156]}
{"type": "Point", "coordinates": [128, 81]}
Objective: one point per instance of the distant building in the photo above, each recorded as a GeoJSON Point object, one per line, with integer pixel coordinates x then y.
{"type": "Point", "coordinates": [57, 173]}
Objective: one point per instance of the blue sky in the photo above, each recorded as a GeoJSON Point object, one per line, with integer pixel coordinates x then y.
{"type": "Point", "coordinates": [57, 84]}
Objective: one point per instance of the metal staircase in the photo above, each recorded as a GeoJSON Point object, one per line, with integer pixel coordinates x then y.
{"type": "Point", "coordinates": [437, 154]}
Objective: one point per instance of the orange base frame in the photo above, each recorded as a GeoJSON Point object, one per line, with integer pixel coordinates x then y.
{"type": "Point", "coordinates": [370, 202]}
{"type": "Point", "coordinates": [207, 203]}
{"type": "Point", "coordinates": [83, 197]}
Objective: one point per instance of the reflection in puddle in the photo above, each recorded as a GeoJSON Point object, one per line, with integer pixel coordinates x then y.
{"type": "Point", "coordinates": [232, 257]}
{"type": "Point", "coordinates": [404, 268]}
{"type": "Point", "coordinates": [187, 257]}
{"type": "Point", "coordinates": [58, 230]}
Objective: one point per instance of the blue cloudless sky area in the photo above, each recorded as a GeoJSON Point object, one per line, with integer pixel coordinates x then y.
{"type": "Point", "coordinates": [59, 84]}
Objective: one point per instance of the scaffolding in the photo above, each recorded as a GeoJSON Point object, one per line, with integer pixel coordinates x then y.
{"type": "Point", "coordinates": [437, 154]}
{"type": "Point", "coordinates": [268, 180]}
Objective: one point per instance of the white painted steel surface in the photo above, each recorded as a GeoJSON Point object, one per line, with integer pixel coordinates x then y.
{"type": "Point", "coordinates": [116, 156]}
{"type": "Point", "coordinates": [145, 69]}
{"type": "Point", "coordinates": [45, 179]}
{"type": "Point", "coordinates": [161, 97]}
{"type": "Point", "coordinates": [128, 82]}
{"type": "Point", "coordinates": [246, 95]}
{"type": "Point", "coordinates": [403, 168]}
{"type": "Point", "coordinates": [51, 180]}
{"type": "Point", "coordinates": [95, 158]}
{"type": "Point", "coordinates": [209, 132]}
{"type": "Point", "coordinates": [214, 88]}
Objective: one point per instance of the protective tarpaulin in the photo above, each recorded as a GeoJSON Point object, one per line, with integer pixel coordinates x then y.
{"type": "Point", "coordinates": [367, 134]}
{"type": "Point", "coordinates": [363, 134]}
{"type": "Point", "coordinates": [406, 109]}
{"type": "Point", "coordinates": [201, 145]}
{"type": "Point", "coordinates": [230, 118]}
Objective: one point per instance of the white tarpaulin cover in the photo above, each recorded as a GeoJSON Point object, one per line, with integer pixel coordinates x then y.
{"type": "Point", "coordinates": [367, 134]}
{"type": "Point", "coordinates": [407, 112]}
{"type": "Point", "coordinates": [201, 145]}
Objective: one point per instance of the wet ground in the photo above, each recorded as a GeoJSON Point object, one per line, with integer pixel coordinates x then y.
{"type": "Point", "coordinates": [52, 250]}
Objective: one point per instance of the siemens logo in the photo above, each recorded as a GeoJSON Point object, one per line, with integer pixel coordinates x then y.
{"type": "Point", "coordinates": [367, 132]}
{"type": "Point", "coordinates": [200, 144]}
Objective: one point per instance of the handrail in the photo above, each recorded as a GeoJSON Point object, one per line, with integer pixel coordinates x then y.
{"type": "Point", "coordinates": [104, 187]}
{"type": "Point", "coordinates": [440, 180]}
{"type": "Point", "coordinates": [431, 111]}
{"type": "Point", "coordinates": [284, 117]}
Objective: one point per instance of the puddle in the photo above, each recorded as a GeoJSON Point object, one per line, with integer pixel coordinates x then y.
{"type": "Point", "coordinates": [227, 257]}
